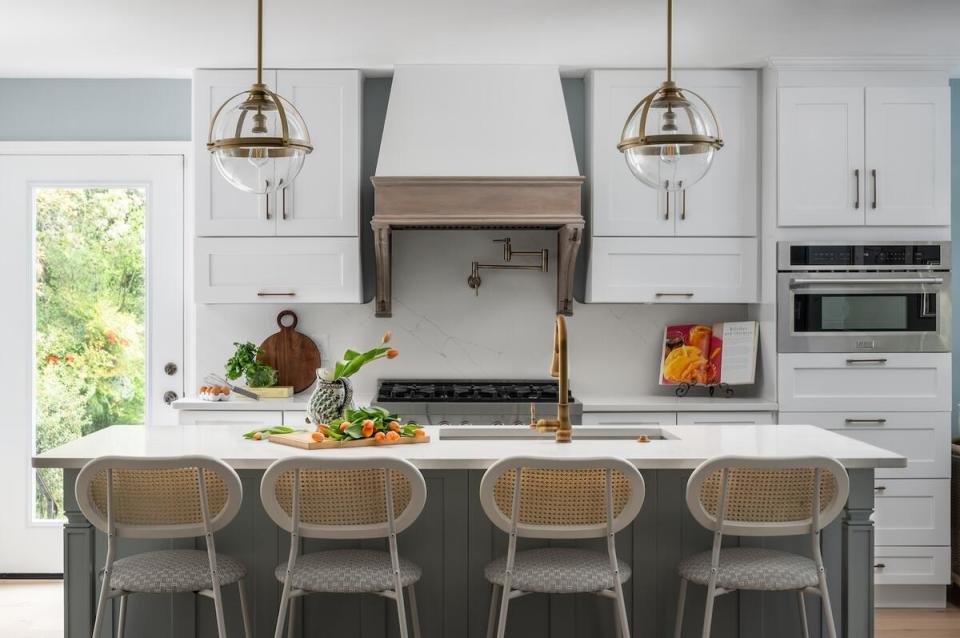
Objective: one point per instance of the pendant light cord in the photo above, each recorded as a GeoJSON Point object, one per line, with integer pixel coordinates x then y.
{"type": "Point", "coordinates": [669, 40]}
{"type": "Point", "coordinates": [259, 41]}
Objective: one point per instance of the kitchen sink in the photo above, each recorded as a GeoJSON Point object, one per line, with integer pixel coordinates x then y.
{"type": "Point", "coordinates": [524, 433]}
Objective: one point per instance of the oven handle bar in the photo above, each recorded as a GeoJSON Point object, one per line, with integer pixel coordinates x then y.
{"type": "Point", "coordinates": [794, 283]}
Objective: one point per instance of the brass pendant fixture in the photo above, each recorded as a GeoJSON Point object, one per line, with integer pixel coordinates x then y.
{"type": "Point", "coordinates": [258, 139]}
{"type": "Point", "coordinates": [671, 136]}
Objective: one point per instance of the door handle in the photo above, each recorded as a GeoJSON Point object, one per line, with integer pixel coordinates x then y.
{"type": "Point", "coordinates": [267, 195]}
{"type": "Point", "coordinates": [853, 362]}
{"type": "Point", "coordinates": [683, 205]}
{"type": "Point", "coordinates": [276, 294]}
{"type": "Point", "coordinates": [800, 281]}
{"type": "Point", "coordinates": [856, 175]}
{"type": "Point", "coordinates": [283, 200]}
{"type": "Point", "coordinates": [879, 421]}
{"type": "Point", "coordinates": [873, 173]}
{"type": "Point", "coordinates": [667, 197]}
{"type": "Point", "coordinates": [673, 294]}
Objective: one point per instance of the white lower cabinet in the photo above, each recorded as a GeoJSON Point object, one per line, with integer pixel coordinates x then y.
{"type": "Point", "coordinates": [837, 381]}
{"type": "Point", "coordinates": [912, 512]}
{"type": "Point", "coordinates": [629, 418]}
{"type": "Point", "coordinates": [672, 270]}
{"type": "Point", "coordinates": [911, 565]}
{"type": "Point", "coordinates": [726, 418]}
{"type": "Point", "coordinates": [278, 269]}
{"type": "Point", "coordinates": [922, 437]}
{"type": "Point", "coordinates": [253, 418]}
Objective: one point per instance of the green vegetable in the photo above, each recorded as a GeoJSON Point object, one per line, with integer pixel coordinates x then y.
{"type": "Point", "coordinates": [245, 363]}
{"type": "Point", "coordinates": [279, 429]}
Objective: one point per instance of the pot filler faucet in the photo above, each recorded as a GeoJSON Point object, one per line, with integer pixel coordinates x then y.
{"type": "Point", "coordinates": [559, 368]}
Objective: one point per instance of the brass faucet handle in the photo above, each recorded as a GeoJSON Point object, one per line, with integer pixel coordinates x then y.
{"type": "Point", "coordinates": [547, 425]}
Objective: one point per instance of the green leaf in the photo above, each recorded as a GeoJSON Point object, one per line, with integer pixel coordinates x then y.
{"type": "Point", "coordinates": [355, 430]}
{"type": "Point", "coordinates": [350, 354]}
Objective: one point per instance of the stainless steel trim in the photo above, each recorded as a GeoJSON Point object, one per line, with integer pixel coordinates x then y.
{"type": "Point", "coordinates": [783, 256]}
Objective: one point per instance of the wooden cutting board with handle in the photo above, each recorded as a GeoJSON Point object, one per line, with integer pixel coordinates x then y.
{"type": "Point", "coordinates": [303, 441]}
{"type": "Point", "coordinates": [293, 355]}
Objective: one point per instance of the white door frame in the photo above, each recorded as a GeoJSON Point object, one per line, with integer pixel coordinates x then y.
{"type": "Point", "coordinates": [47, 540]}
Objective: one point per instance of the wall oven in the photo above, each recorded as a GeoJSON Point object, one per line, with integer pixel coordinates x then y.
{"type": "Point", "coordinates": [871, 297]}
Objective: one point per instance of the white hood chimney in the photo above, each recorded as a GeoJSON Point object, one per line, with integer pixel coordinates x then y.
{"type": "Point", "coordinates": [479, 146]}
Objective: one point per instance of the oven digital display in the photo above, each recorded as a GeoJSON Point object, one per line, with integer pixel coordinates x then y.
{"type": "Point", "coordinates": [870, 255]}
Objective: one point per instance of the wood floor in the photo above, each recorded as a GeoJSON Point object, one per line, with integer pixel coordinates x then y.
{"type": "Point", "coordinates": [35, 610]}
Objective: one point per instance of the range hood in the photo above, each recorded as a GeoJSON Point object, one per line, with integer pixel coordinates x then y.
{"type": "Point", "coordinates": [473, 147]}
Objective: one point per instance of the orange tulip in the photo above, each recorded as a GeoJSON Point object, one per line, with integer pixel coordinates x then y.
{"type": "Point", "coordinates": [379, 437]}
{"type": "Point", "coordinates": [392, 353]}
{"type": "Point", "coordinates": [367, 430]}
{"type": "Point", "coordinates": [392, 436]}
{"type": "Point", "coordinates": [393, 425]}
{"type": "Point", "coordinates": [387, 336]}
{"type": "Point", "coordinates": [317, 436]}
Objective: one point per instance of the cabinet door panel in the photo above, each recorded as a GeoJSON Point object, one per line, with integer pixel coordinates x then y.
{"type": "Point", "coordinates": [672, 270]}
{"type": "Point", "coordinates": [325, 198]}
{"type": "Point", "coordinates": [278, 269]}
{"type": "Point", "coordinates": [621, 204]}
{"type": "Point", "coordinates": [726, 418]}
{"type": "Point", "coordinates": [912, 512]}
{"type": "Point", "coordinates": [724, 202]}
{"type": "Point", "coordinates": [820, 148]}
{"type": "Point", "coordinates": [908, 156]}
{"type": "Point", "coordinates": [629, 418]}
{"type": "Point", "coordinates": [223, 209]}
{"type": "Point", "coordinates": [895, 565]}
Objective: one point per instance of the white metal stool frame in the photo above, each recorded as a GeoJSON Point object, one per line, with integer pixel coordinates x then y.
{"type": "Point", "coordinates": [513, 524]}
{"type": "Point", "coordinates": [206, 526]}
{"type": "Point", "coordinates": [392, 525]}
{"type": "Point", "coordinates": [821, 515]}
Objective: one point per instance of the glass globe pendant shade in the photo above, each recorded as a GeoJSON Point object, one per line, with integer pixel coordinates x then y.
{"type": "Point", "coordinates": [259, 141]}
{"type": "Point", "coordinates": [670, 138]}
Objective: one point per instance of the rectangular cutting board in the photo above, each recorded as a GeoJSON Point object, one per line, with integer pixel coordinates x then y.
{"type": "Point", "coordinates": [302, 440]}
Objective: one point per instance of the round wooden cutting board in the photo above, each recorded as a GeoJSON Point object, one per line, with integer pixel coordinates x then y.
{"type": "Point", "coordinates": [293, 355]}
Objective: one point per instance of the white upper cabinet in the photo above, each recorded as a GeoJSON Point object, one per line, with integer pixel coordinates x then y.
{"type": "Point", "coordinates": [223, 209]}
{"type": "Point", "coordinates": [908, 156]}
{"type": "Point", "coordinates": [325, 199]}
{"type": "Point", "coordinates": [820, 156]}
{"type": "Point", "coordinates": [723, 203]}
{"type": "Point", "coordinates": [850, 156]}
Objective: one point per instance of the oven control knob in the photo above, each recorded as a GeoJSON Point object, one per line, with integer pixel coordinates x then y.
{"type": "Point", "coordinates": [518, 422]}
{"type": "Point", "coordinates": [444, 422]}
{"type": "Point", "coordinates": [465, 422]}
{"type": "Point", "coordinates": [498, 422]}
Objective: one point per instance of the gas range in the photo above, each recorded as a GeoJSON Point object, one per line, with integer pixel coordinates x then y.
{"type": "Point", "coordinates": [470, 402]}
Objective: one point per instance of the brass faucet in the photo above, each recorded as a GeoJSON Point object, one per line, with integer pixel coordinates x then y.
{"type": "Point", "coordinates": [559, 368]}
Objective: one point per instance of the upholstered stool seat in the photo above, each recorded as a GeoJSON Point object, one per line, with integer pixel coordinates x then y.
{"type": "Point", "coordinates": [752, 568]}
{"type": "Point", "coordinates": [558, 570]}
{"type": "Point", "coordinates": [348, 571]}
{"type": "Point", "coordinates": [173, 571]}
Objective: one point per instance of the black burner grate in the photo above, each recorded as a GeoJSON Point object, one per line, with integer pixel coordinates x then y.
{"type": "Point", "coordinates": [469, 391]}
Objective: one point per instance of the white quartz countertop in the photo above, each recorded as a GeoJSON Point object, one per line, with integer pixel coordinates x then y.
{"type": "Point", "coordinates": [686, 446]}
{"type": "Point", "coordinates": [652, 403]}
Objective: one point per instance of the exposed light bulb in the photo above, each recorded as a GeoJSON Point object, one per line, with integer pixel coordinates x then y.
{"type": "Point", "coordinates": [258, 157]}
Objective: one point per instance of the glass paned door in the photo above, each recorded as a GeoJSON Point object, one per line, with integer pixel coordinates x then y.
{"type": "Point", "coordinates": [95, 247]}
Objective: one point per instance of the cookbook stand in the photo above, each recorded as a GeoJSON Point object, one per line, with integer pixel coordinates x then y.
{"type": "Point", "coordinates": [724, 390]}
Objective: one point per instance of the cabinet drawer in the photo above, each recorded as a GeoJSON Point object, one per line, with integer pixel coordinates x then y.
{"type": "Point", "coordinates": [912, 512]}
{"type": "Point", "coordinates": [296, 418]}
{"type": "Point", "coordinates": [253, 418]}
{"type": "Point", "coordinates": [726, 418]}
{"type": "Point", "coordinates": [629, 418]}
{"type": "Point", "coordinates": [673, 270]}
{"type": "Point", "coordinates": [911, 565]}
{"type": "Point", "coordinates": [278, 269]}
{"type": "Point", "coordinates": [922, 437]}
{"type": "Point", "coordinates": [842, 382]}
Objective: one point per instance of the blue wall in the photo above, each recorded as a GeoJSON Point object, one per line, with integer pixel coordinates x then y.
{"type": "Point", "coordinates": [98, 109]}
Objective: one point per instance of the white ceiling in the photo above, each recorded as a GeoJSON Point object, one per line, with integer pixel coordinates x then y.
{"type": "Point", "coordinates": [169, 38]}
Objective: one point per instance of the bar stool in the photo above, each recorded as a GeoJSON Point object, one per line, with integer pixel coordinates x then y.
{"type": "Point", "coordinates": [754, 496]}
{"type": "Point", "coordinates": [163, 498]}
{"type": "Point", "coordinates": [319, 498]}
{"type": "Point", "coordinates": [533, 497]}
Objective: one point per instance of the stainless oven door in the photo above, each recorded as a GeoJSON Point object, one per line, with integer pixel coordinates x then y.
{"type": "Point", "coordinates": [863, 312]}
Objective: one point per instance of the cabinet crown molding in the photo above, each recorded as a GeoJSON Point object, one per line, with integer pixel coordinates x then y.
{"type": "Point", "coordinates": [868, 63]}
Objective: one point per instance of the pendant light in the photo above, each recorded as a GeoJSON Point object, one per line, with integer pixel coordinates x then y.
{"type": "Point", "coordinates": [258, 139]}
{"type": "Point", "coordinates": [671, 136]}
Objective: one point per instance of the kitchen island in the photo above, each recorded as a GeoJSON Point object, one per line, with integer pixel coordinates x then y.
{"type": "Point", "coordinates": [452, 540]}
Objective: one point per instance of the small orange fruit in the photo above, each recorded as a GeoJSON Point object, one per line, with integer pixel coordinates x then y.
{"type": "Point", "coordinates": [379, 437]}
{"type": "Point", "coordinates": [393, 425]}
{"type": "Point", "coordinates": [393, 436]}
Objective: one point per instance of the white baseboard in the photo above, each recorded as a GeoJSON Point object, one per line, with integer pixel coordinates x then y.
{"type": "Point", "coordinates": [917, 596]}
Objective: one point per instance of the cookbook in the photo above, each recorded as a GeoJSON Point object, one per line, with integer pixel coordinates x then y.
{"type": "Point", "coordinates": [699, 354]}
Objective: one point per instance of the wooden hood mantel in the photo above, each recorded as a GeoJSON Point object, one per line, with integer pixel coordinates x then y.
{"type": "Point", "coordinates": [473, 203]}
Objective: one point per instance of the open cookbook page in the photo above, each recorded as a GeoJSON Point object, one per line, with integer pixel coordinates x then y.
{"type": "Point", "coordinates": [706, 355]}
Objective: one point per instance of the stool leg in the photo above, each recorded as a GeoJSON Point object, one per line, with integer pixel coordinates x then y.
{"type": "Point", "coordinates": [803, 614]}
{"type": "Point", "coordinates": [414, 613]}
{"type": "Point", "coordinates": [678, 628]}
{"type": "Point", "coordinates": [122, 620]}
{"type": "Point", "coordinates": [244, 611]}
{"type": "Point", "coordinates": [504, 603]}
{"type": "Point", "coordinates": [708, 612]}
{"type": "Point", "coordinates": [492, 618]}
{"type": "Point", "coordinates": [284, 602]}
{"type": "Point", "coordinates": [827, 609]}
{"type": "Point", "coordinates": [291, 616]}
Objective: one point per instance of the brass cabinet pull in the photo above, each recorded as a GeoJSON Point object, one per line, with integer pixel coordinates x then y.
{"type": "Point", "coordinates": [873, 173]}
{"type": "Point", "coordinates": [879, 421]}
{"type": "Point", "coordinates": [276, 294]}
{"type": "Point", "coordinates": [856, 175]}
{"type": "Point", "coordinates": [853, 362]}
